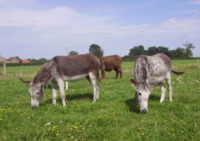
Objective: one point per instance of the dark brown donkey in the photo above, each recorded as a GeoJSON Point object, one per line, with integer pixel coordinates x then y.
{"type": "Point", "coordinates": [64, 68]}
{"type": "Point", "coordinates": [108, 63]}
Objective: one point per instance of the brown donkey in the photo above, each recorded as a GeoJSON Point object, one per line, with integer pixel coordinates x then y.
{"type": "Point", "coordinates": [109, 63]}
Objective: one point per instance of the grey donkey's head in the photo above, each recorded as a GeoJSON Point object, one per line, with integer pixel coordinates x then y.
{"type": "Point", "coordinates": [35, 91]}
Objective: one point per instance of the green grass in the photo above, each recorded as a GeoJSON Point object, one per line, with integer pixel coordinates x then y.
{"type": "Point", "coordinates": [113, 117]}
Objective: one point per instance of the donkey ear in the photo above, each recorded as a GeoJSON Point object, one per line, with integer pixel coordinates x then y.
{"type": "Point", "coordinates": [133, 82]}
{"type": "Point", "coordinates": [25, 81]}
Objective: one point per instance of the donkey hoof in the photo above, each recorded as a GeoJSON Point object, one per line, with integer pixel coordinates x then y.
{"type": "Point", "coordinates": [162, 101]}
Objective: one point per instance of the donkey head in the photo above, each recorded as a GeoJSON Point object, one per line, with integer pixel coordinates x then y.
{"type": "Point", "coordinates": [36, 92]}
{"type": "Point", "coordinates": [141, 95]}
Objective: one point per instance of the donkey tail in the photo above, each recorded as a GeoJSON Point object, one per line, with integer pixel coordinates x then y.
{"type": "Point", "coordinates": [176, 72]}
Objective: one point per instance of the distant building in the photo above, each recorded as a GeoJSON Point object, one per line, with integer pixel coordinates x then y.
{"type": "Point", "coordinates": [12, 60]}
{"type": "Point", "coordinates": [25, 61]}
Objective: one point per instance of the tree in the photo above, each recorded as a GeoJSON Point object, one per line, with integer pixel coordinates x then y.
{"type": "Point", "coordinates": [188, 51]}
{"type": "Point", "coordinates": [73, 53]}
{"type": "Point", "coordinates": [152, 50]}
{"type": "Point", "coordinates": [179, 53]}
{"type": "Point", "coordinates": [164, 50]}
{"type": "Point", "coordinates": [136, 51]}
{"type": "Point", "coordinates": [42, 60]}
{"type": "Point", "coordinates": [96, 50]}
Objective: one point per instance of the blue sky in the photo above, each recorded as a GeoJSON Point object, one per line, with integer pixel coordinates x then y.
{"type": "Point", "coordinates": [46, 28]}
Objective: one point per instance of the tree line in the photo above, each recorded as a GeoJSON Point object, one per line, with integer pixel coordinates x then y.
{"type": "Point", "coordinates": [184, 52]}
{"type": "Point", "coordinates": [94, 49]}
{"type": "Point", "coordinates": [179, 52]}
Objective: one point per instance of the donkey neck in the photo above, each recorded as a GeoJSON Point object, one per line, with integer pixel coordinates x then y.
{"type": "Point", "coordinates": [44, 75]}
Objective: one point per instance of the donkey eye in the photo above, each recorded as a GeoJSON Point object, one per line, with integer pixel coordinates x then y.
{"type": "Point", "coordinates": [38, 93]}
{"type": "Point", "coordinates": [139, 94]}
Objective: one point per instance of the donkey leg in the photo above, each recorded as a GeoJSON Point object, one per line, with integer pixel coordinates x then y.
{"type": "Point", "coordinates": [61, 84]}
{"type": "Point", "coordinates": [95, 87]}
{"type": "Point", "coordinates": [54, 91]}
{"type": "Point", "coordinates": [120, 74]}
{"type": "Point", "coordinates": [120, 71]}
{"type": "Point", "coordinates": [170, 86]}
{"type": "Point", "coordinates": [103, 73]}
{"type": "Point", "coordinates": [163, 90]}
{"type": "Point", "coordinates": [117, 74]}
{"type": "Point", "coordinates": [66, 85]}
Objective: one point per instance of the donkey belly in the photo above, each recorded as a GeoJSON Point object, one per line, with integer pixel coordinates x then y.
{"type": "Point", "coordinates": [157, 76]}
{"type": "Point", "coordinates": [156, 79]}
{"type": "Point", "coordinates": [74, 78]}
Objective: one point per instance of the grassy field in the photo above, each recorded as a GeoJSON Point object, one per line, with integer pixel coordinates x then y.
{"type": "Point", "coordinates": [114, 117]}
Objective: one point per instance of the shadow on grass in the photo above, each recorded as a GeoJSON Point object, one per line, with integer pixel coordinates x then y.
{"type": "Point", "coordinates": [70, 98]}
{"type": "Point", "coordinates": [154, 98]}
{"type": "Point", "coordinates": [133, 106]}
{"type": "Point", "coordinates": [112, 78]}
{"type": "Point", "coordinates": [47, 102]}
{"type": "Point", "coordinates": [79, 96]}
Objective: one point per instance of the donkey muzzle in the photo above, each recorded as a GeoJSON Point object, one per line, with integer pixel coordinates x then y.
{"type": "Point", "coordinates": [143, 111]}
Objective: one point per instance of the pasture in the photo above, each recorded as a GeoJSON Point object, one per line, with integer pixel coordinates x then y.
{"type": "Point", "coordinates": [115, 116]}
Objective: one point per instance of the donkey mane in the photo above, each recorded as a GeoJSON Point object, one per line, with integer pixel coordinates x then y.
{"type": "Point", "coordinates": [140, 69]}
{"type": "Point", "coordinates": [144, 66]}
{"type": "Point", "coordinates": [44, 75]}
{"type": "Point", "coordinates": [165, 59]}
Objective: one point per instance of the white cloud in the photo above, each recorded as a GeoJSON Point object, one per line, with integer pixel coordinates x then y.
{"type": "Point", "coordinates": [52, 18]}
{"type": "Point", "coordinates": [63, 26]}
{"type": "Point", "coordinates": [186, 12]}
{"type": "Point", "coordinates": [67, 21]}
{"type": "Point", "coordinates": [175, 25]}
{"type": "Point", "coordinates": [191, 2]}
{"type": "Point", "coordinates": [58, 16]}
{"type": "Point", "coordinates": [73, 22]}
{"type": "Point", "coordinates": [194, 2]}
{"type": "Point", "coordinates": [17, 3]}
{"type": "Point", "coordinates": [171, 26]}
